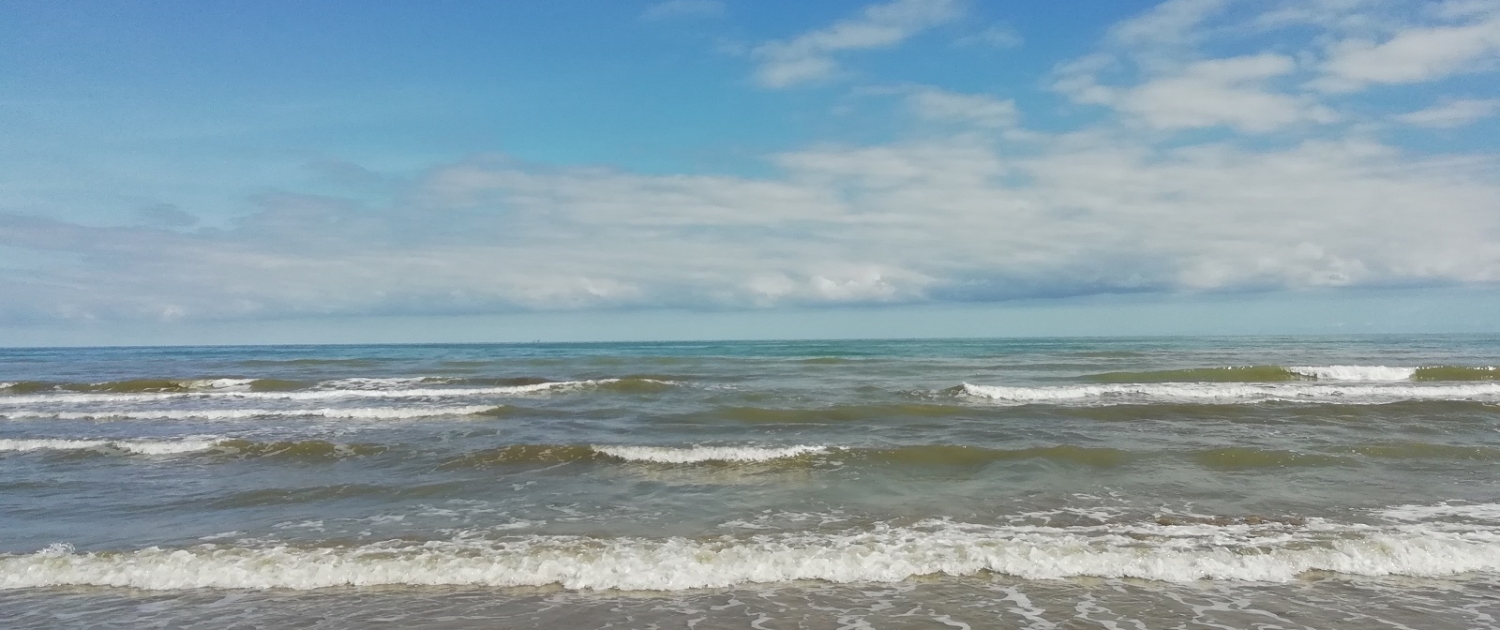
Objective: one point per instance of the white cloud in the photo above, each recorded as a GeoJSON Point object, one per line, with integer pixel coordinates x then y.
{"type": "Point", "coordinates": [1159, 70]}
{"type": "Point", "coordinates": [683, 8]}
{"type": "Point", "coordinates": [1230, 92]}
{"type": "Point", "coordinates": [972, 109]}
{"type": "Point", "coordinates": [1455, 113]}
{"type": "Point", "coordinates": [1462, 9]}
{"type": "Point", "coordinates": [1346, 17]}
{"type": "Point", "coordinates": [998, 36]}
{"type": "Point", "coordinates": [953, 215]}
{"type": "Point", "coordinates": [1174, 22]}
{"type": "Point", "coordinates": [1413, 55]}
{"type": "Point", "coordinates": [808, 57]}
{"type": "Point", "coordinates": [943, 219]}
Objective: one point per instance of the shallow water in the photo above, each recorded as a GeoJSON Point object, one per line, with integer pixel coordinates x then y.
{"type": "Point", "coordinates": [1236, 483]}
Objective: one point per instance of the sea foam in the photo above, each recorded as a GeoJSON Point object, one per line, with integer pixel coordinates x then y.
{"type": "Point", "coordinates": [1379, 373]}
{"type": "Point", "coordinates": [372, 413]}
{"type": "Point", "coordinates": [316, 394]}
{"type": "Point", "coordinates": [138, 447]}
{"type": "Point", "coordinates": [1260, 553]}
{"type": "Point", "coordinates": [1231, 393]}
{"type": "Point", "coordinates": [697, 454]}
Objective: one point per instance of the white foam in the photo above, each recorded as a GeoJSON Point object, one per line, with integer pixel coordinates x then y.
{"type": "Point", "coordinates": [138, 447]}
{"type": "Point", "coordinates": [319, 394]}
{"type": "Point", "coordinates": [1262, 553]}
{"type": "Point", "coordinates": [697, 454]}
{"type": "Point", "coordinates": [374, 413]}
{"type": "Point", "coordinates": [1233, 393]}
{"type": "Point", "coordinates": [374, 383]}
{"type": "Point", "coordinates": [219, 383]}
{"type": "Point", "coordinates": [1473, 511]}
{"type": "Point", "coordinates": [1378, 373]}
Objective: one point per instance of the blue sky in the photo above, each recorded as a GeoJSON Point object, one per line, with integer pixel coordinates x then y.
{"type": "Point", "coordinates": [398, 171]}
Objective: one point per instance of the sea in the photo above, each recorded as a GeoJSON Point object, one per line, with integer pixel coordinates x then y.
{"type": "Point", "coordinates": [1123, 484]}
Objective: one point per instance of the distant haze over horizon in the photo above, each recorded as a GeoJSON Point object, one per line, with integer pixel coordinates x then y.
{"type": "Point", "coordinates": [182, 172]}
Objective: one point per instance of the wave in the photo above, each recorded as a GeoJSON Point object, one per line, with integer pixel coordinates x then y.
{"type": "Point", "coordinates": [133, 447]}
{"type": "Point", "coordinates": [1278, 374]}
{"type": "Point", "coordinates": [292, 449]}
{"type": "Point", "coordinates": [561, 453]}
{"type": "Point", "coordinates": [297, 449]}
{"type": "Point", "coordinates": [1468, 511]}
{"type": "Point", "coordinates": [970, 455]}
{"type": "Point", "coordinates": [1237, 457]}
{"type": "Point", "coordinates": [1247, 374]}
{"type": "Point", "coordinates": [902, 457]}
{"type": "Point", "coordinates": [131, 386]}
{"type": "Point", "coordinates": [1455, 373]}
{"type": "Point", "coordinates": [1421, 450]}
{"type": "Point", "coordinates": [370, 413]}
{"type": "Point", "coordinates": [699, 454]}
{"type": "Point", "coordinates": [365, 390]}
{"type": "Point", "coordinates": [1231, 393]}
{"type": "Point", "coordinates": [834, 413]}
{"type": "Point", "coordinates": [1356, 372]}
{"type": "Point", "coordinates": [1248, 550]}
{"type": "Point", "coordinates": [366, 362]}
{"type": "Point", "coordinates": [922, 455]}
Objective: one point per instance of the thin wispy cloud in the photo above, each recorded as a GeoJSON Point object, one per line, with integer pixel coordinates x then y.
{"type": "Point", "coordinates": [975, 109]}
{"type": "Point", "coordinates": [1452, 114]}
{"type": "Point", "coordinates": [671, 9]}
{"type": "Point", "coordinates": [812, 56]}
{"type": "Point", "coordinates": [997, 36]}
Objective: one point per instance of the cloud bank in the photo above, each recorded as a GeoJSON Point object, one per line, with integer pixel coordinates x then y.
{"type": "Point", "coordinates": [956, 218]}
{"type": "Point", "coordinates": [1208, 169]}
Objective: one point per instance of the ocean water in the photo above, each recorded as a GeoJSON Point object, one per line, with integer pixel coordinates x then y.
{"type": "Point", "coordinates": [1049, 483]}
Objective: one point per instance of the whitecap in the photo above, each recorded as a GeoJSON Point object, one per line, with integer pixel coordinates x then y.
{"type": "Point", "coordinates": [698, 454]}
{"type": "Point", "coordinates": [1231, 393]}
{"type": "Point", "coordinates": [1378, 373]}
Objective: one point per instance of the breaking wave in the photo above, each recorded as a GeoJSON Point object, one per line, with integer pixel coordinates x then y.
{"type": "Point", "coordinates": [133, 447]}
{"type": "Point", "coordinates": [921, 455]}
{"type": "Point", "coordinates": [1231, 393]}
{"type": "Point", "coordinates": [1166, 550]}
{"type": "Point", "coordinates": [697, 454]}
{"type": "Point", "coordinates": [134, 386]}
{"type": "Point", "coordinates": [352, 388]}
{"type": "Point", "coordinates": [1278, 374]}
{"type": "Point", "coordinates": [371, 413]}
{"type": "Point", "coordinates": [940, 455]}
{"type": "Point", "coordinates": [561, 453]}
{"type": "Point", "coordinates": [291, 449]}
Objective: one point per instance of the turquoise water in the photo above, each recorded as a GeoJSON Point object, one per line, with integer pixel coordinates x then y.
{"type": "Point", "coordinates": [1234, 482]}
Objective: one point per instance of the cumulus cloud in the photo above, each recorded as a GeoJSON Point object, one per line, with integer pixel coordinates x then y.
{"type": "Point", "coordinates": [1160, 69]}
{"type": "Point", "coordinates": [810, 57]}
{"type": "Point", "coordinates": [1454, 113]}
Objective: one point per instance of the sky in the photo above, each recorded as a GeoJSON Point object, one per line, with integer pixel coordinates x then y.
{"type": "Point", "coordinates": [181, 171]}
